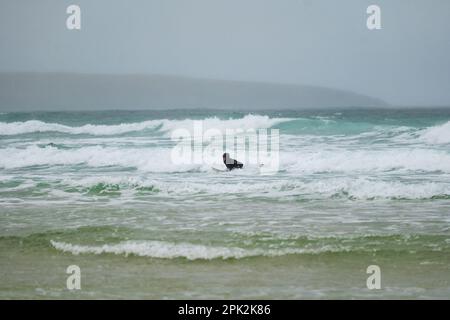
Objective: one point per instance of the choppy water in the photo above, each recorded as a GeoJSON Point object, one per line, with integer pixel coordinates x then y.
{"type": "Point", "coordinates": [99, 190]}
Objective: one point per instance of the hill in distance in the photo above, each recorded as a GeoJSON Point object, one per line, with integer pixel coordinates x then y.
{"type": "Point", "coordinates": [67, 91]}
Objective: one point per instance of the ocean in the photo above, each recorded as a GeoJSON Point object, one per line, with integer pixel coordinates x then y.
{"type": "Point", "coordinates": [100, 190]}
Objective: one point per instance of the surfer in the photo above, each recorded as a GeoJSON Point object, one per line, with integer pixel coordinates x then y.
{"type": "Point", "coordinates": [231, 163]}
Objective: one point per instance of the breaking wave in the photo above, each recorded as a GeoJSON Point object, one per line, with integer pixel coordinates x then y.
{"type": "Point", "coordinates": [264, 246]}
{"type": "Point", "coordinates": [167, 250]}
{"type": "Point", "coordinates": [247, 122]}
{"type": "Point", "coordinates": [352, 188]}
{"type": "Point", "coordinates": [160, 159]}
{"type": "Point", "coordinates": [438, 134]}
{"type": "Point", "coordinates": [349, 188]}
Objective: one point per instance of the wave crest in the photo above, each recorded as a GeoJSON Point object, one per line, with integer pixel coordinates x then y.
{"type": "Point", "coordinates": [168, 250]}
{"type": "Point", "coordinates": [163, 125]}
{"type": "Point", "coordinates": [437, 135]}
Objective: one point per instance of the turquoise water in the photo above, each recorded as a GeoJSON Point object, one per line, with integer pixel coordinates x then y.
{"type": "Point", "coordinates": [100, 190]}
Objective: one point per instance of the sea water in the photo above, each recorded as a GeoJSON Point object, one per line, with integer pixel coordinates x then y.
{"type": "Point", "coordinates": [100, 190]}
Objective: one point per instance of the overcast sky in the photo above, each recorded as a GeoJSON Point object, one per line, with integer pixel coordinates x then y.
{"type": "Point", "coordinates": [313, 42]}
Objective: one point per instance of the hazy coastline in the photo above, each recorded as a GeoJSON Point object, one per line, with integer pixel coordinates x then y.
{"type": "Point", "coordinates": [69, 91]}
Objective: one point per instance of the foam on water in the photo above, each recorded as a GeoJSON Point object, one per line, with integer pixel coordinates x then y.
{"type": "Point", "coordinates": [366, 160]}
{"type": "Point", "coordinates": [308, 160]}
{"type": "Point", "coordinates": [280, 189]}
{"type": "Point", "coordinates": [152, 159]}
{"type": "Point", "coordinates": [353, 187]}
{"type": "Point", "coordinates": [263, 246]}
{"type": "Point", "coordinates": [437, 135]}
{"type": "Point", "coordinates": [356, 188]}
{"type": "Point", "coordinates": [163, 125]}
{"type": "Point", "coordinates": [167, 250]}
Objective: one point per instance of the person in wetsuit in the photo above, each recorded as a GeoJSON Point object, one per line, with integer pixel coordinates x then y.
{"type": "Point", "coordinates": [231, 163]}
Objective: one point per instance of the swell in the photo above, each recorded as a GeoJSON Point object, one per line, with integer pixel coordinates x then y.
{"type": "Point", "coordinates": [288, 189]}
{"type": "Point", "coordinates": [127, 242]}
{"type": "Point", "coordinates": [327, 125]}
{"type": "Point", "coordinates": [305, 160]}
{"type": "Point", "coordinates": [163, 125]}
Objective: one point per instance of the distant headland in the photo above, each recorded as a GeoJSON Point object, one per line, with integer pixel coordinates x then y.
{"type": "Point", "coordinates": [72, 91]}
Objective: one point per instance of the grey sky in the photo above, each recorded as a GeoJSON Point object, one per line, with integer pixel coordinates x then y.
{"type": "Point", "coordinates": [312, 42]}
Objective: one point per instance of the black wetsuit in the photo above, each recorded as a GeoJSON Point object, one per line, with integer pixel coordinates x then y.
{"type": "Point", "coordinates": [232, 164]}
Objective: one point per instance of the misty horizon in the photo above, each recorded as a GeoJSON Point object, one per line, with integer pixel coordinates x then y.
{"type": "Point", "coordinates": [83, 91]}
{"type": "Point", "coordinates": [63, 91]}
{"type": "Point", "coordinates": [295, 42]}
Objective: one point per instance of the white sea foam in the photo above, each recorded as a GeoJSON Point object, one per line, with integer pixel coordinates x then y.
{"type": "Point", "coordinates": [363, 188]}
{"type": "Point", "coordinates": [437, 135]}
{"type": "Point", "coordinates": [316, 160]}
{"type": "Point", "coordinates": [167, 250]}
{"type": "Point", "coordinates": [164, 125]}
{"type": "Point", "coordinates": [347, 187]}
{"type": "Point", "coordinates": [307, 169]}
{"type": "Point", "coordinates": [151, 160]}
{"type": "Point", "coordinates": [308, 161]}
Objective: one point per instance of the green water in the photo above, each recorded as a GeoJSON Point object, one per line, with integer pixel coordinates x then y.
{"type": "Point", "coordinates": [99, 190]}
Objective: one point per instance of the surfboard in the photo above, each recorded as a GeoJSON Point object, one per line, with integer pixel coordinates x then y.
{"type": "Point", "coordinates": [219, 170]}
